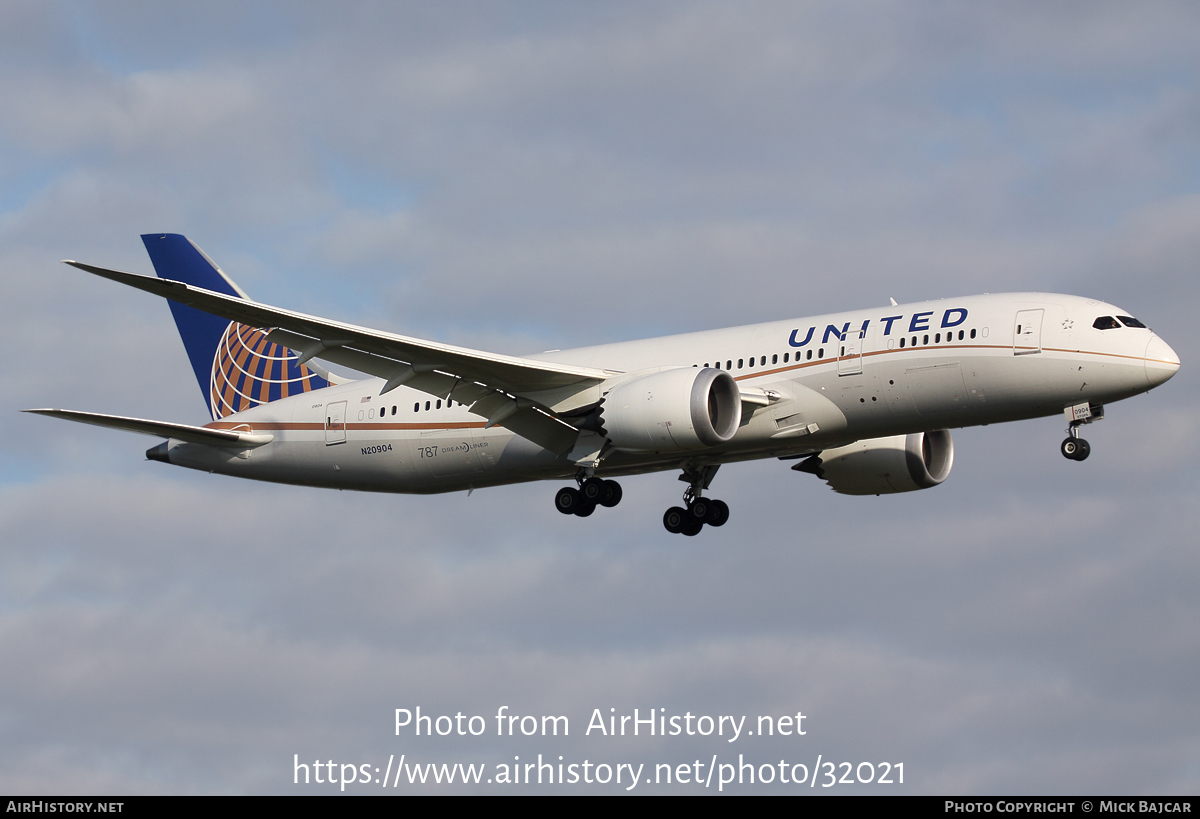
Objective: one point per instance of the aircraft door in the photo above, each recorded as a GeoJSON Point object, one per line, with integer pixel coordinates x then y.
{"type": "Point", "coordinates": [850, 350]}
{"type": "Point", "coordinates": [1027, 332]}
{"type": "Point", "coordinates": [335, 423]}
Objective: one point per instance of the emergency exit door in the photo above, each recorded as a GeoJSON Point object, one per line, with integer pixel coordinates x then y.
{"type": "Point", "coordinates": [335, 423]}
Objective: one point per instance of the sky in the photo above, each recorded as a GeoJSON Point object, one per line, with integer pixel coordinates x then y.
{"type": "Point", "coordinates": [524, 176]}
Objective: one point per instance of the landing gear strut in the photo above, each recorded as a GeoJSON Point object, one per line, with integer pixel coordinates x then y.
{"type": "Point", "coordinates": [1074, 447]}
{"type": "Point", "coordinates": [592, 492]}
{"type": "Point", "coordinates": [698, 510]}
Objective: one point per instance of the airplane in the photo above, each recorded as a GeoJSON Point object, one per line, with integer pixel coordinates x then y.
{"type": "Point", "coordinates": [864, 399]}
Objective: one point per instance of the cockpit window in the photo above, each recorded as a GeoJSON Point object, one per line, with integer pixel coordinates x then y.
{"type": "Point", "coordinates": [1106, 323]}
{"type": "Point", "coordinates": [1130, 321]}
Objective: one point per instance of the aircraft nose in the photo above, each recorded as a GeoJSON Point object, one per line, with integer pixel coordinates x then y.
{"type": "Point", "coordinates": [1161, 361]}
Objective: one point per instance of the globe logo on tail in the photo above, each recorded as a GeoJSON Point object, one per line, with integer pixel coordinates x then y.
{"type": "Point", "coordinates": [248, 370]}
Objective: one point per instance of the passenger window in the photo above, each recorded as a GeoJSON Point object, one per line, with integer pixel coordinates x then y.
{"type": "Point", "coordinates": [775, 359]}
{"type": "Point", "coordinates": [960, 335]}
{"type": "Point", "coordinates": [901, 343]}
{"type": "Point", "coordinates": [821, 353]}
{"type": "Point", "coordinates": [740, 360]}
{"type": "Point", "coordinates": [729, 364]}
{"type": "Point", "coordinates": [972, 333]}
{"type": "Point", "coordinates": [417, 407]}
{"type": "Point", "coordinates": [1130, 321]}
{"type": "Point", "coordinates": [809, 356]}
{"type": "Point", "coordinates": [751, 361]}
{"type": "Point", "coordinates": [937, 338]}
{"type": "Point", "coordinates": [785, 357]}
{"type": "Point", "coordinates": [427, 405]}
{"type": "Point", "coordinates": [763, 361]}
{"type": "Point", "coordinates": [925, 339]}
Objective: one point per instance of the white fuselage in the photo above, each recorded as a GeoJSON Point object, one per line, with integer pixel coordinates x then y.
{"type": "Point", "coordinates": [916, 367]}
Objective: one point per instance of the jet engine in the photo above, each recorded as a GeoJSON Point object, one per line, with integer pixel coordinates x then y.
{"type": "Point", "coordinates": [672, 410]}
{"type": "Point", "coordinates": [879, 466]}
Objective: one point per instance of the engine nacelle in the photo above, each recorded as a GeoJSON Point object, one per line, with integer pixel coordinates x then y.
{"type": "Point", "coordinates": [672, 410]}
{"type": "Point", "coordinates": [880, 466]}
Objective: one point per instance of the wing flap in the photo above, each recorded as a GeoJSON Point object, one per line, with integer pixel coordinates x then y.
{"type": "Point", "coordinates": [163, 429]}
{"type": "Point", "coordinates": [544, 430]}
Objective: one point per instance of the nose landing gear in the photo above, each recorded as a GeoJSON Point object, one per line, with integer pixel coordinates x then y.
{"type": "Point", "coordinates": [1073, 447]}
{"type": "Point", "coordinates": [1076, 449]}
{"type": "Point", "coordinates": [689, 520]}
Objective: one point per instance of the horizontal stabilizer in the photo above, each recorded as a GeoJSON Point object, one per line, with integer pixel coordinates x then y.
{"type": "Point", "coordinates": [180, 432]}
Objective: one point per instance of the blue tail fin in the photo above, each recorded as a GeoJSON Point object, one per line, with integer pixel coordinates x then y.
{"type": "Point", "coordinates": [235, 365]}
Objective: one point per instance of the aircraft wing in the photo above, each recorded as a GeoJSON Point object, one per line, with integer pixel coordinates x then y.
{"type": "Point", "coordinates": [162, 429]}
{"type": "Point", "coordinates": [506, 390]}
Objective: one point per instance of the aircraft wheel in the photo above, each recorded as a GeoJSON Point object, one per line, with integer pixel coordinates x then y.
{"type": "Point", "coordinates": [719, 514]}
{"type": "Point", "coordinates": [700, 509]}
{"type": "Point", "coordinates": [692, 527]}
{"type": "Point", "coordinates": [1083, 449]}
{"type": "Point", "coordinates": [1070, 448]}
{"type": "Point", "coordinates": [592, 490]}
{"type": "Point", "coordinates": [611, 495]}
{"type": "Point", "coordinates": [568, 500]}
{"type": "Point", "coordinates": [674, 518]}
{"type": "Point", "coordinates": [585, 508]}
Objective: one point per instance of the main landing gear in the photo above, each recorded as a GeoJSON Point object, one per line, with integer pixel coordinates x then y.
{"type": "Point", "coordinates": [679, 520]}
{"type": "Point", "coordinates": [592, 492]}
{"type": "Point", "coordinates": [1074, 447]}
{"type": "Point", "coordinates": [699, 510]}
